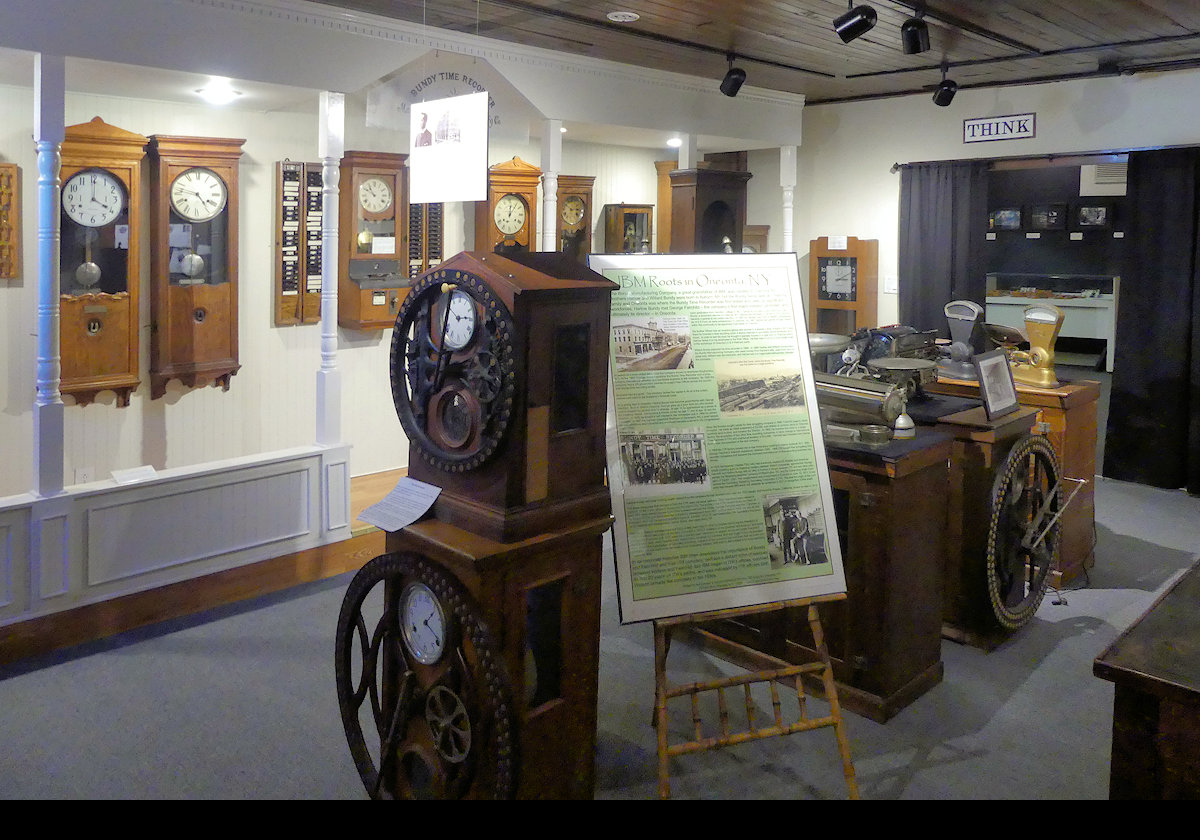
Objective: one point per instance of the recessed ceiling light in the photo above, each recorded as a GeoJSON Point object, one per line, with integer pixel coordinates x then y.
{"type": "Point", "coordinates": [675, 142]}
{"type": "Point", "coordinates": [218, 92]}
{"type": "Point", "coordinates": [562, 129]}
{"type": "Point", "coordinates": [623, 17]}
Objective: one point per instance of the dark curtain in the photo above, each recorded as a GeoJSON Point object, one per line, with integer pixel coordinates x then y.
{"type": "Point", "coordinates": [1154, 410]}
{"type": "Point", "coordinates": [943, 214]}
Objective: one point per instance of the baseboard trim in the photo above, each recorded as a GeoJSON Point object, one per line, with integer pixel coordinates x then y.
{"type": "Point", "coordinates": [66, 629]}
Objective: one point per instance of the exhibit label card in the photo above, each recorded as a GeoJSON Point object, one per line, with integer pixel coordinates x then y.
{"type": "Point", "coordinates": [716, 462]}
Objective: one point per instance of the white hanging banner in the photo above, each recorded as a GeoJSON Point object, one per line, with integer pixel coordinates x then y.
{"type": "Point", "coordinates": [448, 161]}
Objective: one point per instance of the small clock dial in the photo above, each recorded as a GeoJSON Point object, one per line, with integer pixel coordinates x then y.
{"type": "Point", "coordinates": [509, 214]}
{"type": "Point", "coordinates": [423, 623]}
{"type": "Point", "coordinates": [198, 194]}
{"type": "Point", "coordinates": [573, 210]}
{"type": "Point", "coordinates": [454, 399]}
{"type": "Point", "coordinates": [460, 320]}
{"type": "Point", "coordinates": [374, 195]}
{"type": "Point", "coordinates": [93, 198]}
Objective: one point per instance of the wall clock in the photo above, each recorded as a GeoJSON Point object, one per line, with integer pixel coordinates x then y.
{"type": "Point", "coordinates": [194, 261]}
{"type": "Point", "coordinates": [507, 221]}
{"type": "Point", "coordinates": [842, 284]}
{"type": "Point", "coordinates": [100, 260]}
{"type": "Point", "coordinates": [574, 222]}
{"type": "Point", "coordinates": [372, 239]}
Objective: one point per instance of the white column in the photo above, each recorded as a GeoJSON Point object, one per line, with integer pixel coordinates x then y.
{"type": "Point", "coordinates": [689, 157]}
{"type": "Point", "coordinates": [551, 166]}
{"type": "Point", "coordinates": [49, 130]}
{"type": "Point", "coordinates": [331, 147]}
{"type": "Point", "coordinates": [787, 180]}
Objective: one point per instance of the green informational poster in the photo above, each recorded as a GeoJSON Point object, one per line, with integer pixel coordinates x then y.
{"type": "Point", "coordinates": [715, 458]}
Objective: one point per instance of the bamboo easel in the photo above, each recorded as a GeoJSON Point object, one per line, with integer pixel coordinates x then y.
{"type": "Point", "coordinates": [663, 692]}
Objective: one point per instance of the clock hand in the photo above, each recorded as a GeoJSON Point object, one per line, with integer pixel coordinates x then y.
{"type": "Point", "coordinates": [439, 371]}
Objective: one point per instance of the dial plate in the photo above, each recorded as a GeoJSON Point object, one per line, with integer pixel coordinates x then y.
{"type": "Point", "coordinates": [93, 198]}
{"type": "Point", "coordinates": [198, 194]}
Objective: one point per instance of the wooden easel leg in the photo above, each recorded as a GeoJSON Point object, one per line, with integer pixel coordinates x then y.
{"type": "Point", "coordinates": [835, 709]}
{"type": "Point", "coordinates": [662, 643]}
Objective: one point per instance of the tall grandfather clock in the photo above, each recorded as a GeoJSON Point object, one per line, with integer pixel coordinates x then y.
{"type": "Point", "coordinates": [507, 221]}
{"type": "Point", "coordinates": [100, 260]}
{"type": "Point", "coordinates": [193, 261]}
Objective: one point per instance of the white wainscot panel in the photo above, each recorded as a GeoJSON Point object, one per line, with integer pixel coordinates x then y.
{"type": "Point", "coordinates": [134, 534]}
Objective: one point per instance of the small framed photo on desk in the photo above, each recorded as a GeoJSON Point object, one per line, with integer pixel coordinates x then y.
{"type": "Point", "coordinates": [996, 384]}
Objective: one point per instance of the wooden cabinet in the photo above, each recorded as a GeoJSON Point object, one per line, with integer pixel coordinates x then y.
{"type": "Point", "coordinates": [1069, 412]}
{"type": "Point", "coordinates": [540, 598]}
{"type": "Point", "coordinates": [708, 211]}
{"type": "Point", "coordinates": [980, 447]}
{"type": "Point", "coordinates": [842, 285]}
{"type": "Point", "coordinates": [1155, 666]}
{"type": "Point", "coordinates": [885, 638]}
{"type": "Point", "coordinates": [628, 228]}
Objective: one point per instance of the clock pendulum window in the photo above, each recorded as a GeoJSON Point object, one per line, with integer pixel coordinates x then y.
{"type": "Point", "coordinates": [194, 261]}
{"type": "Point", "coordinates": [475, 673]}
{"type": "Point", "coordinates": [100, 260]}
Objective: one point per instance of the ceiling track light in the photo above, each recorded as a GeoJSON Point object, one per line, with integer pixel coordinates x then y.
{"type": "Point", "coordinates": [943, 95]}
{"type": "Point", "coordinates": [735, 77]}
{"type": "Point", "coordinates": [859, 20]}
{"type": "Point", "coordinates": [914, 34]}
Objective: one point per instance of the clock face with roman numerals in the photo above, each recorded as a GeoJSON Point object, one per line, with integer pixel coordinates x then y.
{"type": "Point", "coordinates": [198, 194]}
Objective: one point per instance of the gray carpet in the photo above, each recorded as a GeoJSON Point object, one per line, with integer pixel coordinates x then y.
{"type": "Point", "coordinates": [240, 702]}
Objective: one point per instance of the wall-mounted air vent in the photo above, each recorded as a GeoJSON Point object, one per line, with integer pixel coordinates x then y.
{"type": "Point", "coordinates": [1103, 178]}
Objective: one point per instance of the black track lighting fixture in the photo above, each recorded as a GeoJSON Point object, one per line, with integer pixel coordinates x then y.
{"type": "Point", "coordinates": [857, 21]}
{"type": "Point", "coordinates": [943, 94]}
{"type": "Point", "coordinates": [734, 78]}
{"type": "Point", "coordinates": [914, 34]}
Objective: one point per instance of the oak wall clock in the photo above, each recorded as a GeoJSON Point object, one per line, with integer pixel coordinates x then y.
{"type": "Point", "coordinates": [574, 222]}
{"type": "Point", "coordinates": [193, 261]}
{"type": "Point", "coordinates": [507, 221]}
{"type": "Point", "coordinates": [100, 260]}
{"type": "Point", "coordinates": [372, 239]}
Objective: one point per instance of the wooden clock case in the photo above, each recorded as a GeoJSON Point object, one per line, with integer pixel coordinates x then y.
{"type": "Point", "coordinates": [513, 177]}
{"type": "Point", "coordinates": [549, 468]}
{"type": "Point", "coordinates": [708, 210]}
{"type": "Point", "coordinates": [99, 329]}
{"type": "Point", "coordinates": [372, 280]}
{"type": "Point", "coordinates": [834, 313]}
{"type": "Point", "coordinates": [194, 328]}
{"type": "Point", "coordinates": [574, 239]}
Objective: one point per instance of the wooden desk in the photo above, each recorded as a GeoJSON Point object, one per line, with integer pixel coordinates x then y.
{"type": "Point", "coordinates": [885, 639]}
{"type": "Point", "coordinates": [1069, 412]}
{"type": "Point", "coordinates": [1155, 666]}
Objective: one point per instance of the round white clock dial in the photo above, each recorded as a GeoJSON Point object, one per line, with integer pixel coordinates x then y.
{"type": "Point", "coordinates": [460, 321]}
{"type": "Point", "coordinates": [198, 194]}
{"type": "Point", "coordinates": [422, 623]}
{"type": "Point", "coordinates": [374, 195]}
{"type": "Point", "coordinates": [509, 214]}
{"type": "Point", "coordinates": [572, 210]}
{"type": "Point", "coordinates": [93, 198]}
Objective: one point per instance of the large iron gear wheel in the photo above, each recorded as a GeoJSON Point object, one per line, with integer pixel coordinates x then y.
{"type": "Point", "coordinates": [445, 730]}
{"type": "Point", "coordinates": [1024, 534]}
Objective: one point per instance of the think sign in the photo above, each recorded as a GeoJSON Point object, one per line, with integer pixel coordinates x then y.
{"type": "Point", "coordinates": [1012, 127]}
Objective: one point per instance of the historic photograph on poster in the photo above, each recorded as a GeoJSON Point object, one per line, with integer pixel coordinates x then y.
{"type": "Point", "coordinates": [716, 463]}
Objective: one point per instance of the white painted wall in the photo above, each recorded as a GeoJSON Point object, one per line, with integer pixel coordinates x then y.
{"type": "Point", "coordinates": [845, 185]}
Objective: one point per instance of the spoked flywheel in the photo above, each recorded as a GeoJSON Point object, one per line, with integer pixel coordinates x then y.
{"type": "Point", "coordinates": [424, 695]}
{"type": "Point", "coordinates": [1023, 538]}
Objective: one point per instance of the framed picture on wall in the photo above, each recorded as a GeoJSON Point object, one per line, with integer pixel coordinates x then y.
{"type": "Point", "coordinates": [995, 383]}
{"type": "Point", "coordinates": [1095, 215]}
{"type": "Point", "coordinates": [1005, 218]}
{"type": "Point", "coordinates": [1048, 217]}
